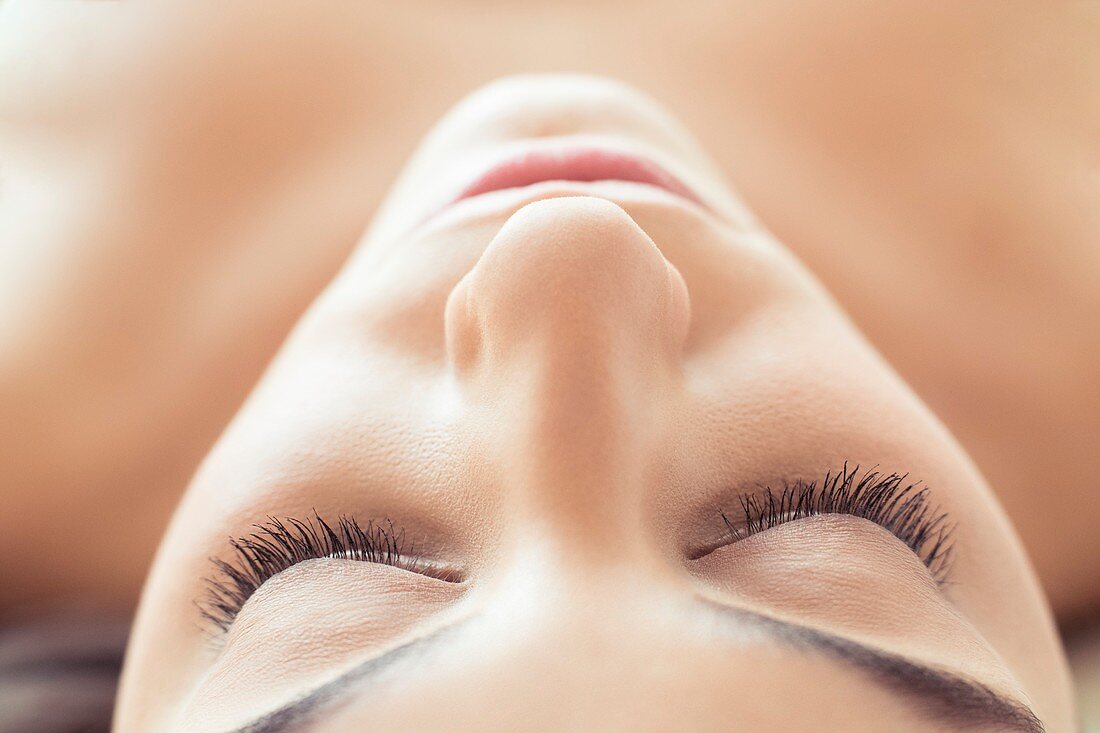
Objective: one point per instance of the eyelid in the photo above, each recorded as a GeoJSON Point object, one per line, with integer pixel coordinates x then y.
{"type": "Point", "coordinates": [317, 619]}
{"type": "Point", "coordinates": [903, 508]}
{"type": "Point", "coordinates": [279, 544]}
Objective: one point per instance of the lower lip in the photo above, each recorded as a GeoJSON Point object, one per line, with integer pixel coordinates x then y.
{"type": "Point", "coordinates": [575, 164]}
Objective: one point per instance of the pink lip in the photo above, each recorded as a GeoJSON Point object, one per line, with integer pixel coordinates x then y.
{"type": "Point", "coordinates": [575, 164]}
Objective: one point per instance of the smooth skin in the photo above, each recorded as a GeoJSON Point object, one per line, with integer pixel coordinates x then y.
{"type": "Point", "coordinates": [555, 390]}
{"type": "Point", "coordinates": [178, 181]}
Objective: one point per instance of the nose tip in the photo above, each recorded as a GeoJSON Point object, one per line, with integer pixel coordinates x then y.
{"type": "Point", "coordinates": [574, 276]}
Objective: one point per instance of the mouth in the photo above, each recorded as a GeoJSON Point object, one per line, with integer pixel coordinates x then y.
{"type": "Point", "coordinates": [581, 164]}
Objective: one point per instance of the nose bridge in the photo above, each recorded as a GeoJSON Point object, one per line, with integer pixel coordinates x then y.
{"type": "Point", "coordinates": [570, 324]}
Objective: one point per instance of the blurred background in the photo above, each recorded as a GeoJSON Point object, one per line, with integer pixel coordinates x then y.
{"type": "Point", "coordinates": [179, 180]}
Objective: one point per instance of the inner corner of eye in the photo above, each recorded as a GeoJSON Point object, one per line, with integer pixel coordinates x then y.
{"type": "Point", "coordinates": [706, 547]}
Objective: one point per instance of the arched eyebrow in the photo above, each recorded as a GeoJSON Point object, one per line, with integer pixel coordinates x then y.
{"type": "Point", "coordinates": [298, 713]}
{"type": "Point", "coordinates": [951, 698]}
{"type": "Point", "coordinates": [947, 697]}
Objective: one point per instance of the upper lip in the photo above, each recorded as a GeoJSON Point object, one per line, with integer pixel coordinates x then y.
{"type": "Point", "coordinates": [583, 163]}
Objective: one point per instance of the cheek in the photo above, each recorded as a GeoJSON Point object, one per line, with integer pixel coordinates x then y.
{"type": "Point", "coordinates": [392, 295]}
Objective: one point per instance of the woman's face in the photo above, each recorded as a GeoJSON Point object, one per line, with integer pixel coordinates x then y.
{"type": "Point", "coordinates": [584, 454]}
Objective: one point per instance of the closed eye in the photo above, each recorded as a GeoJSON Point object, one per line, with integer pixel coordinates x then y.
{"type": "Point", "coordinates": [278, 544]}
{"type": "Point", "coordinates": [903, 508]}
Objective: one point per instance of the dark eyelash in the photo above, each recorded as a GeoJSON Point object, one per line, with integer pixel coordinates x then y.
{"type": "Point", "coordinates": [903, 508]}
{"type": "Point", "coordinates": [276, 545]}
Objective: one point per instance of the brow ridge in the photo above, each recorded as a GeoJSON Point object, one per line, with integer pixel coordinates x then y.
{"type": "Point", "coordinates": [946, 696]}
{"type": "Point", "coordinates": [942, 694]}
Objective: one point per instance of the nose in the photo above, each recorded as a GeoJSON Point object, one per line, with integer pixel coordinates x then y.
{"type": "Point", "coordinates": [572, 323]}
{"type": "Point", "coordinates": [573, 283]}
